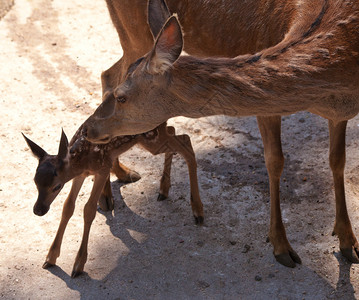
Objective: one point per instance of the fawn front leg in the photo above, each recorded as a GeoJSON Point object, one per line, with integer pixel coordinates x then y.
{"type": "Point", "coordinates": [348, 243]}
{"type": "Point", "coordinates": [67, 213]}
{"type": "Point", "coordinates": [106, 199]}
{"type": "Point", "coordinates": [270, 129]}
{"type": "Point", "coordinates": [89, 216]}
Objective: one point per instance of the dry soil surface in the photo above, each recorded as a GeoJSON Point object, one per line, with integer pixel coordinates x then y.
{"type": "Point", "coordinates": [51, 55]}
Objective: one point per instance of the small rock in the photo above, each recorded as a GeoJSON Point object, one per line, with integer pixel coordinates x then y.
{"type": "Point", "coordinates": [258, 278]}
{"type": "Point", "coordinates": [232, 242]}
{"type": "Point", "coordinates": [246, 248]}
{"type": "Point", "coordinates": [200, 243]}
{"type": "Point", "coordinates": [203, 284]}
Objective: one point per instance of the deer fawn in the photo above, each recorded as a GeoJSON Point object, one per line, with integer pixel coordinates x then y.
{"type": "Point", "coordinates": [314, 68]}
{"type": "Point", "coordinates": [80, 159]}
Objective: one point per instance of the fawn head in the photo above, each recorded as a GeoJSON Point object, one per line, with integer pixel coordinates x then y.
{"type": "Point", "coordinates": [50, 174]}
{"type": "Point", "coordinates": [139, 103]}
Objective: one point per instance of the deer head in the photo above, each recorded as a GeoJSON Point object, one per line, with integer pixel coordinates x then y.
{"type": "Point", "coordinates": [50, 175]}
{"type": "Point", "coordinates": [137, 105]}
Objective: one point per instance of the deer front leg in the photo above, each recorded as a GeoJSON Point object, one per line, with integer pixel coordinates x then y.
{"type": "Point", "coordinates": [67, 212]}
{"type": "Point", "coordinates": [89, 216]}
{"type": "Point", "coordinates": [270, 129]}
{"type": "Point", "coordinates": [348, 243]}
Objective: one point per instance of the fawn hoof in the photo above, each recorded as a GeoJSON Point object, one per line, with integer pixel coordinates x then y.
{"type": "Point", "coordinates": [161, 197]}
{"type": "Point", "coordinates": [288, 259]}
{"type": "Point", "coordinates": [106, 203]}
{"type": "Point", "coordinates": [131, 176]}
{"type": "Point", "coordinates": [351, 254]}
{"type": "Point", "coordinates": [75, 274]}
{"type": "Point", "coordinates": [199, 220]}
{"type": "Point", "coordinates": [47, 265]}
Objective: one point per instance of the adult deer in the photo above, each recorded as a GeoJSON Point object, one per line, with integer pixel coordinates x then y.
{"type": "Point", "coordinates": [213, 28]}
{"type": "Point", "coordinates": [81, 158]}
{"type": "Point", "coordinates": [314, 68]}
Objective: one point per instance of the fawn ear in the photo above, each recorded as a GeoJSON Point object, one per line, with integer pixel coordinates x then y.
{"type": "Point", "coordinates": [64, 143]}
{"type": "Point", "coordinates": [158, 14]}
{"type": "Point", "coordinates": [168, 47]}
{"type": "Point", "coordinates": [36, 150]}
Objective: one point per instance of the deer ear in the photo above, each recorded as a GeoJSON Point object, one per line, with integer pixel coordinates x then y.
{"type": "Point", "coordinates": [168, 47]}
{"type": "Point", "coordinates": [158, 14]}
{"type": "Point", "coordinates": [63, 148]}
{"type": "Point", "coordinates": [36, 150]}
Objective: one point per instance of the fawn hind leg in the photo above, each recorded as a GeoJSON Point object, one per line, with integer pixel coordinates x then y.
{"type": "Point", "coordinates": [165, 182]}
{"type": "Point", "coordinates": [270, 129]}
{"type": "Point", "coordinates": [124, 174]}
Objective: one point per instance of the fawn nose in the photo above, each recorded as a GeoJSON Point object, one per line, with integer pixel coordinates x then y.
{"type": "Point", "coordinates": [40, 209]}
{"type": "Point", "coordinates": [84, 131]}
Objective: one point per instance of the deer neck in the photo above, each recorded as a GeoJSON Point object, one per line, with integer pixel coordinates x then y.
{"type": "Point", "coordinates": [235, 87]}
{"type": "Point", "coordinates": [312, 64]}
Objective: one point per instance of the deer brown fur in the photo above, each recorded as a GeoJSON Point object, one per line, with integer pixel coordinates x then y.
{"type": "Point", "coordinates": [211, 28]}
{"type": "Point", "coordinates": [81, 158]}
{"type": "Point", "coordinates": [315, 68]}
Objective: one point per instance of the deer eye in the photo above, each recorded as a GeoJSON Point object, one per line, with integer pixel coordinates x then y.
{"type": "Point", "coordinates": [121, 99]}
{"type": "Point", "coordinates": [56, 188]}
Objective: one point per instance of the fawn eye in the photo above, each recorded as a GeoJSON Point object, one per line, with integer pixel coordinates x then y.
{"type": "Point", "coordinates": [56, 188]}
{"type": "Point", "coordinates": [121, 99]}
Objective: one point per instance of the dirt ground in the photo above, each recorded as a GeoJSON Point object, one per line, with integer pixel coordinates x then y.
{"type": "Point", "coordinates": [51, 55]}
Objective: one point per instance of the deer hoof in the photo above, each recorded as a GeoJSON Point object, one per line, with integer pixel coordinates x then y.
{"type": "Point", "coordinates": [288, 259]}
{"type": "Point", "coordinates": [161, 197]}
{"type": "Point", "coordinates": [106, 203]}
{"type": "Point", "coordinates": [75, 274]}
{"type": "Point", "coordinates": [47, 265]}
{"type": "Point", "coordinates": [199, 220]}
{"type": "Point", "coordinates": [351, 254]}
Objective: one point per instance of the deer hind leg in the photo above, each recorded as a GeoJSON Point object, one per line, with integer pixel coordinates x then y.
{"type": "Point", "coordinates": [67, 212]}
{"type": "Point", "coordinates": [348, 243]}
{"type": "Point", "coordinates": [270, 128]}
{"type": "Point", "coordinates": [89, 216]}
{"type": "Point", "coordinates": [106, 199]}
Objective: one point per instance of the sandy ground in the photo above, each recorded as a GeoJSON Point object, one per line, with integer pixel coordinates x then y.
{"type": "Point", "coordinates": [51, 57]}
